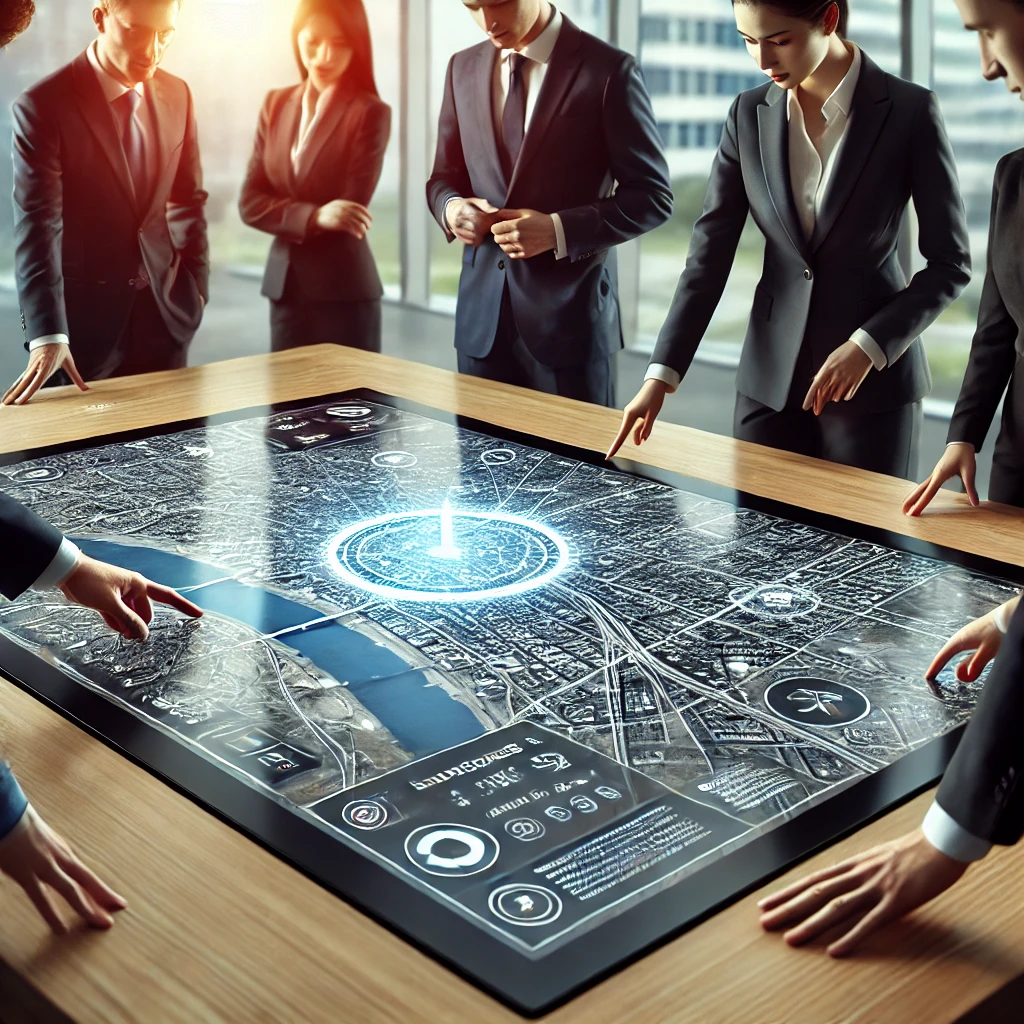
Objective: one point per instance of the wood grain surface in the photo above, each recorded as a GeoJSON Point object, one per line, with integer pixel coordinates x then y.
{"type": "Point", "coordinates": [220, 930]}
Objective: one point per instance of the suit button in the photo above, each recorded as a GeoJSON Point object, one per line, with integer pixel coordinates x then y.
{"type": "Point", "coordinates": [501, 264]}
{"type": "Point", "coordinates": [131, 283]}
{"type": "Point", "coordinates": [807, 275]}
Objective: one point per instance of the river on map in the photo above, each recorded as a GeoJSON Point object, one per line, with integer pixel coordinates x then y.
{"type": "Point", "coordinates": [421, 716]}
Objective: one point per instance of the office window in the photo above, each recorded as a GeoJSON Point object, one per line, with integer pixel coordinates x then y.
{"type": "Point", "coordinates": [658, 80]}
{"type": "Point", "coordinates": [702, 33]}
{"type": "Point", "coordinates": [875, 27]}
{"type": "Point", "coordinates": [704, 94]}
{"type": "Point", "coordinates": [983, 121]}
{"type": "Point", "coordinates": [654, 30]}
{"type": "Point", "coordinates": [684, 30]}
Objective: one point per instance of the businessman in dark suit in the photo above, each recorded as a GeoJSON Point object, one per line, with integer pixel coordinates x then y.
{"type": "Point", "coordinates": [37, 556]}
{"type": "Point", "coordinates": [111, 255]}
{"type": "Point", "coordinates": [548, 155]}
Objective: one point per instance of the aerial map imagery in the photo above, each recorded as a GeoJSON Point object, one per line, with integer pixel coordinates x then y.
{"type": "Point", "coordinates": [538, 689]}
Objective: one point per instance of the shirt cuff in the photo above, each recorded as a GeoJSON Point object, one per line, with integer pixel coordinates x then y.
{"type": "Point", "coordinates": [561, 249]}
{"type": "Point", "coordinates": [952, 839]}
{"type": "Point", "coordinates": [60, 568]}
{"type": "Point", "coordinates": [659, 371]}
{"type": "Point", "coordinates": [864, 341]}
{"type": "Point", "coordinates": [968, 443]}
{"type": "Point", "coordinates": [48, 339]}
{"type": "Point", "coordinates": [13, 803]}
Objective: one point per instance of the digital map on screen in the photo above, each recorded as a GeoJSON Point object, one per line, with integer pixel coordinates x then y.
{"type": "Point", "coordinates": [538, 688]}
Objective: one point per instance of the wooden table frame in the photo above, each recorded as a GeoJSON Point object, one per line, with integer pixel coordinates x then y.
{"type": "Point", "coordinates": [218, 929]}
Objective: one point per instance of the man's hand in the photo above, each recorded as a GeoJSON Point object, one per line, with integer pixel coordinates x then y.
{"type": "Point", "coordinates": [43, 363]}
{"type": "Point", "coordinates": [640, 414]}
{"type": "Point", "coordinates": [471, 220]}
{"type": "Point", "coordinates": [524, 233]}
{"type": "Point", "coordinates": [982, 636]}
{"type": "Point", "coordinates": [123, 598]}
{"type": "Point", "coordinates": [864, 894]}
{"type": "Point", "coordinates": [957, 460]}
{"type": "Point", "coordinates": [839, 377]}
{"type": "Point", "coordinates": [40, 861]}
{"type": "Point", "coordinates": [344, 215]}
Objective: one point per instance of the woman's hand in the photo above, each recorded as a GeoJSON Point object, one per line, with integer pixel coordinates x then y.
{"type": "Point", "coordinates": [43, 363]}
{"type": "Point", "coordinates": [640, 414]}
{"type": "Point", "coordinates": [984, 636]}
{"type": "Point", "coordinates": [42, 863]}
{"type": "Point", "coordinates": [344, 215]}
{"type": "Point", "coordinates": [957, 460]}
{"type": "Point", "coordinates": [839, 377]}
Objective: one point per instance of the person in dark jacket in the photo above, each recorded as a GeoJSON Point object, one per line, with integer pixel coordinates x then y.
{"type": "Point", "coordinates": [315, 165]}
{"type": "Point", "coordinates": [826, 158]}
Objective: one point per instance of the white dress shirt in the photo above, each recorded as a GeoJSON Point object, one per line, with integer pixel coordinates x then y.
{"type": "Point", "coordinates": [533, 70]}
{"type": "Point", "coordinates": [811, 169]}
{"type": "Point", "coordinates": [113, 90]}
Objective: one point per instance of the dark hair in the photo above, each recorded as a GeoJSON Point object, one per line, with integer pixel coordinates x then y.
{"type": "Point", "coordinates": [808, 10]}
{"type": "Point", "coordinates": [15, 16]}
{"type": "Point", "coordinates": [351, 18]}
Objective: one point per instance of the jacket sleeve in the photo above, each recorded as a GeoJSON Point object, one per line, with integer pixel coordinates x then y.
{"type": "Point", "coordinates": [38, 219]}
{"type": "Point", "coordinates": [942, 239]}
{"type": "Point", "coordinates": [13, 803]}
{"type": "Point", "coordinates": [993, 352]}
{"type": "Point", "coordinates": [981, 789]}
{"type": "Point", "coordinates": [186, 207]}
{"type": "Point", "coordinates": [709, 259]}
{"type": "Point", "coordinates": [28, 544]}
{"type": "Point", "coordinates": [450, 177]}
{"type": "Point", "coordinates": [367, 149]}
{"type": "Point", "coordinates": [642, 199]}
{"type": "Point", "coordinates": [261, 206]}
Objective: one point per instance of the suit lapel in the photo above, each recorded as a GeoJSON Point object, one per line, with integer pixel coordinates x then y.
{"type": "Point", "coordinates": [869, 110]}
{"type": "Point", "coordinates": [773, 139]}
{"type": "Point", "coordinates": [560, 75]}
{"type": "Point", "coordinates": [479, 103]}
{"type": "Point", "coordinates": [281, 135]}
{"type": "Point", "coordinates": [165, 129]}
{"type": "Point", "coordinates": [338, 105]}
{"type": "Point", "coordinates": [100, 119]}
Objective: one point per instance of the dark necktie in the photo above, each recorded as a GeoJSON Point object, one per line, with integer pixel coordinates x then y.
{"type": "Point", "coordinates": [127, 106]}
{"type": "Point", "coordinates": [513, 119]}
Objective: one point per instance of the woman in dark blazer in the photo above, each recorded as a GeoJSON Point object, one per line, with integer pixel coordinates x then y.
{"type": "Point", "coordinates": [825, 157]}
{"type": "Point", "coordinates": [994, 363]}
{"type": "Point", "coordinates": [316, 162]}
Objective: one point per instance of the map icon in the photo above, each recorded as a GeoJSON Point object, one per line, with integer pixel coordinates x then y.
{"type": "Point", "coordinates": [816, 702]}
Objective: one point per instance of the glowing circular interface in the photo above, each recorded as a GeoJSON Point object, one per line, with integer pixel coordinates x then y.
{"type": "Point", "coordinates": [448, 555]}
{"type": "Point", "coordinates": [776, 601]}
{"type": "Point", "coordinates": [37, 475]}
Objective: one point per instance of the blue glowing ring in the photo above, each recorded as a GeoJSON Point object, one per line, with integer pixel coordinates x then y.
{"type": "Point", "coordinates": [340, 544]}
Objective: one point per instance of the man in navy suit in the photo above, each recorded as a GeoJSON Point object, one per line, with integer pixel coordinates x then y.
{"type": "Point", "coordinates": [548, 155]}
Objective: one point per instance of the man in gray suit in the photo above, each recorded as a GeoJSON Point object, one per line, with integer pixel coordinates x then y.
{"type": "Point", "coordinates": [111, 252]}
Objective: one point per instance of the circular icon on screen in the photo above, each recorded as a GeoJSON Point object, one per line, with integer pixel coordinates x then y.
{"type": "Point", "coordinates": [364, 814]}
{"type": "Point", "coordinates": [816, 702]}
{"type": "Point", "coordinates": [349, 412]}
{"type": "Point", "coordinates": [451, 851]}
{"type": "Point", "coordinates": [526, 829]}
{"type": "Point", "coordinates": [525, 905]}
{"type": "Point", "coordinates": [394, 460]}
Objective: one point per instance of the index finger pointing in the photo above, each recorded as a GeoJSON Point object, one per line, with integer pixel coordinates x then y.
{"type": "Point", "coordinates": [620, 437]}
{"type": "Point", "coordinates": [165, 595]}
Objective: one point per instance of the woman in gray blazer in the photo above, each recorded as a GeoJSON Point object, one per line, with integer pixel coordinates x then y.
{"type": "Point", "coordinates": [825, 157]}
